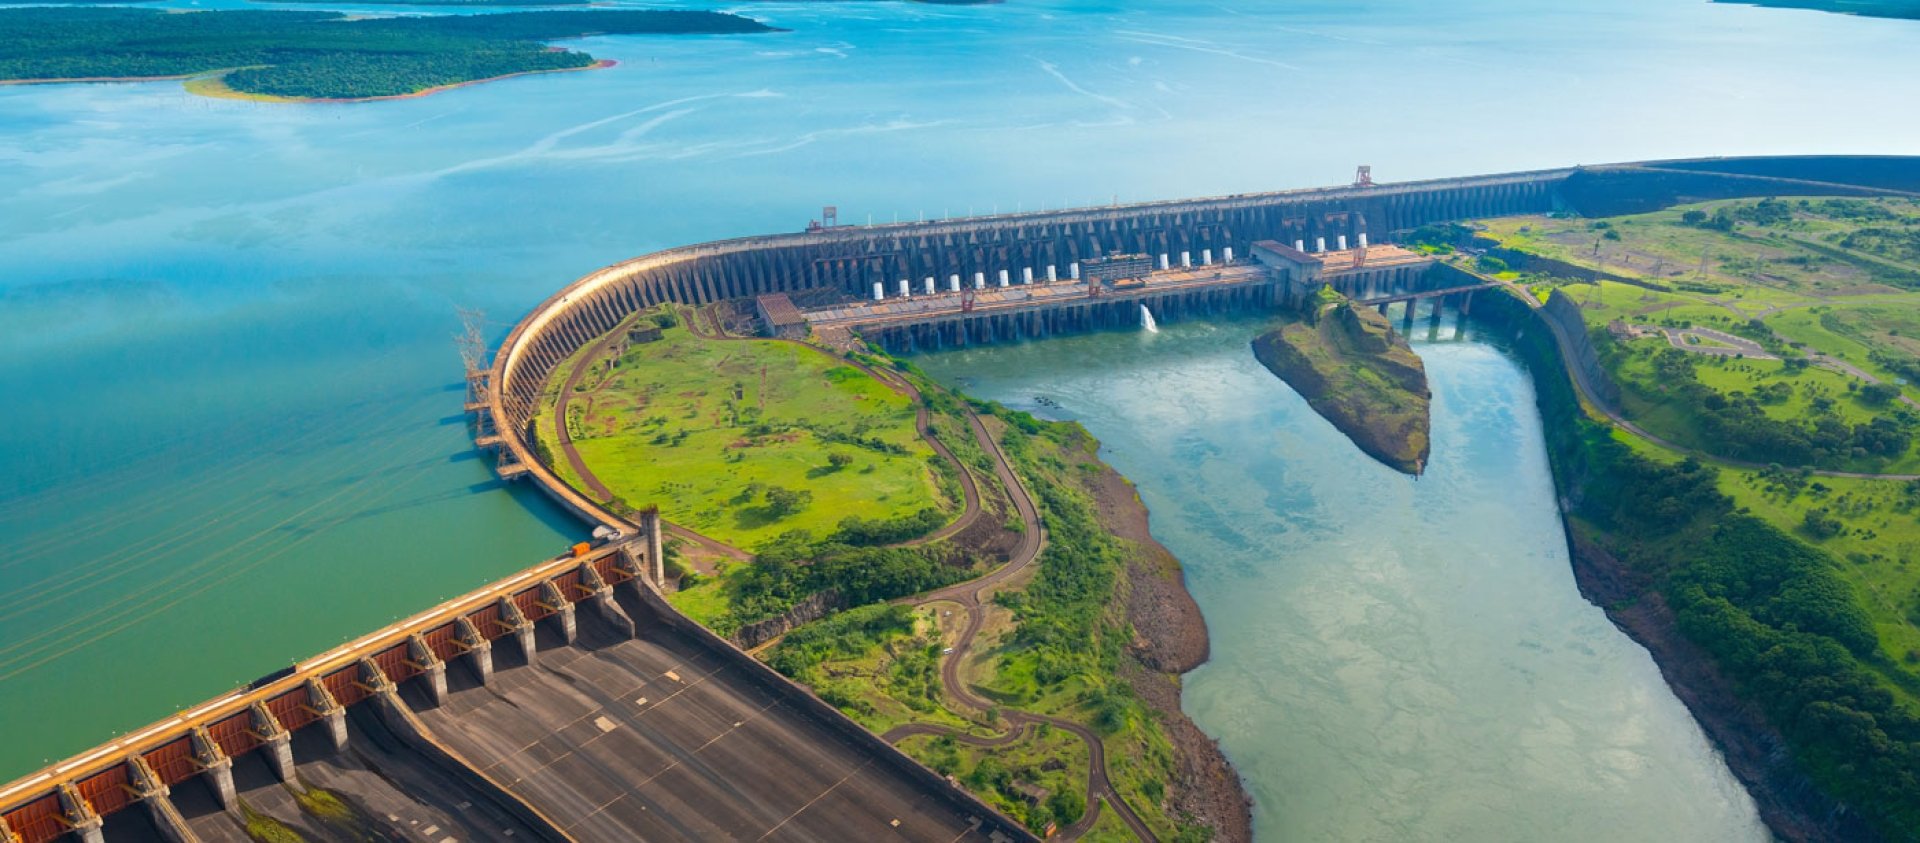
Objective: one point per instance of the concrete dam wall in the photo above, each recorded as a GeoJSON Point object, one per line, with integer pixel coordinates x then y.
{"type": "Point", "coordinates": [849, 260]}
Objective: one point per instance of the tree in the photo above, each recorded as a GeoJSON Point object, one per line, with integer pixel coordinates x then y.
{"type": "Point", "coordinates": [1694, 217]}
{"type": "Point", "coordinates": [1067, 805]}
{"type": "Point", "coordinates": [782, 502]}
{"type": "Point", "coordinates": [1879, 394]}
{"type": "Point", "coordinates": [839, 460]}
{"type": "Point", "coordinates": [1490, 264]}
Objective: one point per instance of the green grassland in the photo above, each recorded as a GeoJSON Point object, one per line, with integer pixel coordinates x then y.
{"type": "Point", "coordinates": [1825, 284]}
{"type": "Point", "coordinates": [1870, 527]}
{"type": "Point", "coordinates": [318, 55]}
{"type": "Point", "coordinates": [710, 430]}
{"type": "Point", "coordinates": [1054, 644]}
{"type": "Point", "coordinates": [1053, 759]}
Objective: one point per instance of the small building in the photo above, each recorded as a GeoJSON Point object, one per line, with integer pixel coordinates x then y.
{"type": "Point", "coordinates": [1289, 263]}
{"type": "Point", "coordinates": [1033, 793]}
{"type": "Point", "coordinates": [779, 318]}
{"type": "Point", "coordinates": [1117, 267]}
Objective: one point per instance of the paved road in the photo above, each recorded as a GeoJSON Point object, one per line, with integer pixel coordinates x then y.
{"type": "Point", "coordinates": [971, 595]}
{"type": "Point", "coordinates": [1739, 346]}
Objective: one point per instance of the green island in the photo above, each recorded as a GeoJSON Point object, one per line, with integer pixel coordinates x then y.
{"type": "Point", "coordinates": [1357, 373]}
{"type": "Point", "coordinates": [969, 582]}
{"type": "Point", "coordinates": [1728, 399]}
{"type": "Point", "coordinates": [1864, 8]}
{"type": "Point", "coordinates": [282, 55]}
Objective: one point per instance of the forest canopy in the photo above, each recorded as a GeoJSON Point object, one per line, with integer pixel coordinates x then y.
{"type": "Point", "coordinates": [318, 55]}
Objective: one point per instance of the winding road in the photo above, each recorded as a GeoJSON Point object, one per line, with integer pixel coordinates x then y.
{"type": "Point", "coordinates": [971, 595]}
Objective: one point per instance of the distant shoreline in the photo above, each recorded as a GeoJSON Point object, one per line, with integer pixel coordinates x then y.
{"type": "Point", "coordinates": [214, 84]}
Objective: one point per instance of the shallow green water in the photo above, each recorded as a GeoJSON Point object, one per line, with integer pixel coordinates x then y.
{"type": "Point", "coordinates": [1393, 659]}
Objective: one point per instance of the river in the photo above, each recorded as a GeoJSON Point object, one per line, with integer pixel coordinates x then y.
{"type": "Point", "coordinates": [1393, 659]}
{"type": "Point", "coordinates": [231, 430]}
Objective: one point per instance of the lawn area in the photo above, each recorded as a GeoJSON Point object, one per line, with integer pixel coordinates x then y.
{"type": "Point", "coordinates": [742, 440]}
{"type": "Point", "coordinates": [1871, 526]}
{"type": "Point", "coordinates": [1768, 253]}
{"type": "Point", "coordinates": [1880, 334]}
{"type": "Point", "coordinates": [1822, 283]}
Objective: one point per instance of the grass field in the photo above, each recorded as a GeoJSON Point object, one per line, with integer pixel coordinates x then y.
{"type": "Point", "coordinates": [1827, 284]}
{"type": "Point", "coordinates": [712, 431]}
{"type": "Point", "coordinates": [1875, 539]}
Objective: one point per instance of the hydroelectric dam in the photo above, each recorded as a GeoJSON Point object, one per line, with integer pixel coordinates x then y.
{"type": "Point", "coordinates": [570, 701]}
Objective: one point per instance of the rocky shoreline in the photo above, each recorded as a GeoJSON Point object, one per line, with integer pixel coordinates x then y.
{"type": "Point", "coordinates": [1792, 808]}
{"type": "Point", "coordinates": [1358, 374]}
{"type": "Point", "coordinates": [1171, 639]}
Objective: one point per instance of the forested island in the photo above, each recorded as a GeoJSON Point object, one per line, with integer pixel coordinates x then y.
{"type": "Point", "coordinates": [1355, 371]}
{"type": "Point", "coordinates": [318, 55]}
{"type": "Point", "coordinates": [1906, 9]}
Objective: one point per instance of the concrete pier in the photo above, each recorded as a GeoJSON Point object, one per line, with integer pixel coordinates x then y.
{"type": "Point", "coordinates": [215, 765]}
{"type": "Point", "coordinates": [278, 743]}
{"type": "Point", "coordinates": [433, 671]}
{"type": "Point", "coordinates": [479, 649]}
{"type": "Point", "coordinates": [554, 600]}
{"type": "Point", "coordinates": [79, 816]}
{"type": "Point", "coordinates": [330, 713]}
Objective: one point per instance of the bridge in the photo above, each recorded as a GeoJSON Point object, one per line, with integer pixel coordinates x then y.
{"type": "Point", "coordinates": [579, 729]}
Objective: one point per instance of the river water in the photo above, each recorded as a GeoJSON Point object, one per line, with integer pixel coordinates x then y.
{"type": "Point", "coordinates": [231, 432]}
{"type": "Point", "coordinates": [1393, 659]}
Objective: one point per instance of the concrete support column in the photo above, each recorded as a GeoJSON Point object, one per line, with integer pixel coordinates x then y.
{"type": "Point", "coordinates": [375, 680]}
{"type": "Point", "coordinates": [80, 818]}
{"type": "Point", "coordinates": [512, 618]}
{"type": "Point", "coordinates": [479, 649]}
{"type": "Point", "coordinates": [322, 702]}
{"type": "Point", "coordinates": [562, 608]}
{"type": "Point", "coordinates": [216, 766]}
{"type": "Point", "coordinates": [656, 547]}
{"type": "Point", "coordinates": [603, 601]}
{"type": "Point", "coordinates": [276, 741]}
{"type": "Point", "coordinates": [148, 788]}
{"type": "Point", "coordinates": [432, 670]}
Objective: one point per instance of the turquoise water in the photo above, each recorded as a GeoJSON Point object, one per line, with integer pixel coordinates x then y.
{"type": "Point", "coordinates": [1393, 659]}
{"type": "Point", "coordinates": [231, 428]}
